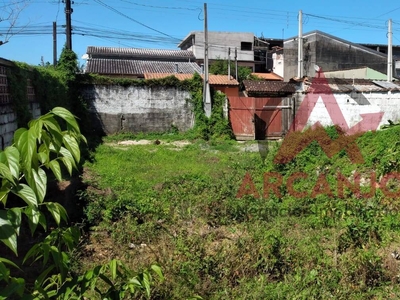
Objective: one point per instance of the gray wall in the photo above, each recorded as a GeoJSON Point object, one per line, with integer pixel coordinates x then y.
{"type": "Point", "coordinates": [331, 54]}
{"type": "Point", "coordinates": [138, 109]}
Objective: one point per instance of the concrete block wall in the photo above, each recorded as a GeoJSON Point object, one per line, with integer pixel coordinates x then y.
{"type": "Point", "coordinates": [139, 109]}
{"type": "Point", "coordinates": [8, 125]}
{"type": "Point", "coordinates": [35, 110]}
{"type": "Point", "coordinates": [9, 122]}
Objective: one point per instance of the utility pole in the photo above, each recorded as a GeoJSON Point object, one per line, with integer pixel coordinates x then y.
{"type": "Point", "coordinates": [229, 63]}
{"type": "Point", "coordinates": [300, 47]}
{"type": "Point", "coordinates": [68, 28]}
{"type": "Point", "coordinates": [206, 85]}
{"type": "Point", "coordinates": [236, 65]}
{"type": "Point", "coordinates": [390, 53]}
{"type": "Point", "coordinates": [54, 44]}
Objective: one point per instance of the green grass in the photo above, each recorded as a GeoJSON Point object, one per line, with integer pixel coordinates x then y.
{"type": "Point", "coordinates": [181, 203]}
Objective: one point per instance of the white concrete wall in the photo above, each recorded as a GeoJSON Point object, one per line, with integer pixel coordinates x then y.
{"type": "Point", "coordinates": [351, 109]}
{"type": "Point", "coordinates": [140, 109]}
{"type": "Point", "coordinates": [278, 64]}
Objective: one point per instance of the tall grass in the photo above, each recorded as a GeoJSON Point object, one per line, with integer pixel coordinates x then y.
{"type": "Point", "coordinates": [181, 203]}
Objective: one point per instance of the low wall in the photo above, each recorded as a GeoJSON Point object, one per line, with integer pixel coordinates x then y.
{"type": "Point", "coordinates": [353, 105]}
{"type": "Point", "coordinates": [138, 109]}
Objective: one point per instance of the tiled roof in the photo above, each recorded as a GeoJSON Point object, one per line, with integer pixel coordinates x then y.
{"type": "Point", "coordinates": [221, 80]}
{"type": "Point", "coordinates": [268, 76]}
{"type": "Point", "coordinates": [348, 85]}
{"type": "Point", "coordinates": [212, 79]}
{"type": "Point", "coordinates": [252, 86]}
{"type": "Point", "coordinates": [138, 53]}
{"type": "Point", "coordinates": [138, 67]}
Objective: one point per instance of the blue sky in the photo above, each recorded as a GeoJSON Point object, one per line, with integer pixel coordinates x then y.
{"type": "Point", "coordinates": [162, 23]}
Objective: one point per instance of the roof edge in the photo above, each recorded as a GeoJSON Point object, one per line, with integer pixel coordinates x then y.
{"type": "Point", "coordinates": [338, 39]}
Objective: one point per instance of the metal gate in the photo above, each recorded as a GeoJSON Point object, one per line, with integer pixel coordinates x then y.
{"type": "Point", "coordinates": [259, 118]}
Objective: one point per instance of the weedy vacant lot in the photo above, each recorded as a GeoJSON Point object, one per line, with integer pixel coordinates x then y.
{"type": "Point", "coordinates": [175, 204]}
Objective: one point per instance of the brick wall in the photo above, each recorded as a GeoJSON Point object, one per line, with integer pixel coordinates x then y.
{"type": "Point", "coordinates": [8, 117]}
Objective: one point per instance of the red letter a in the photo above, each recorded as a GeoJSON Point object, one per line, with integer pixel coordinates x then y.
{"type": "Point", "coordinates": [247, 187]}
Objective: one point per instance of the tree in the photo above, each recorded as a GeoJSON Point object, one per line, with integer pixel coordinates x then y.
{"type": "Point", "coordinates": [9, 14]}
{"type": "Point", "coordinates": [220, 67]}
{"type": "Point", "coordinates": [68, 63]}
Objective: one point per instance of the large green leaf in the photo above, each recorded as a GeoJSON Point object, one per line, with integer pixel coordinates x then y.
{"type": "Point", "coordinates": [18, 133]}
{"type": "Point", "coordinates": [33, 215]}
{"type": "Point", "coordinates": [57, 211]}
{"type": "Point", "coordinates": [43, 156]}
{"type": "Point", "coordinates": [14, 215]}
{"type": "Point", "coordinates": [27, 148]}
{"type": "Point", "coordinates": [67, 164]}
{"type": "Point", "coordinates": [12, 155]}
{"type": "Point", "coordinates": [46, 141]}
{"type": "Point", "coordinates": [40, 183]}
{"type": "Point", "coordinates": [26, 193]}
{"type": "Point", "coordinates": [50, 123]}
{"type": "Point", "coordinates": [67, 116]}
{"type": "Point", "coordinates": [65, 152]}
{"type": "Point", "coordinates": [4, 191]}
{"type": "Point", "coordinates": [35, 128]}
{"type": "Point", "coordinates": [6, 173]}
{"type": "Point", "coordinates": [54, 165]}
{"type": "Point", "coordinates": [56, 140]}
{"type": "Point", "coordinates": [8, 262]}
{"type": "Point", "coordinates": [7, 232]}
{"type": "Point", "coordinates": [68, 159]}
{"type": "Point", "coordinates": [72, 145]}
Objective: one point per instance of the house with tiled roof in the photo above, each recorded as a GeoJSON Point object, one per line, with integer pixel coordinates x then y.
{"type": "Point", "coordinates": [268, 76]}
{"type": "Point", "coordinates": [140, 54]}
{"type": "Point", "coordinates": [135, 62]}
{"type": "Point", "coordinates": [267, 88]}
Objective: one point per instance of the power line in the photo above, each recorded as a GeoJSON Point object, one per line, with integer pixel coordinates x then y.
{"type": "Point", "coordinates": [133, 20]}
{"type": "Point", "coordinates": [162, 7]}
{"type": "Point", "coordinates": [344, 21]}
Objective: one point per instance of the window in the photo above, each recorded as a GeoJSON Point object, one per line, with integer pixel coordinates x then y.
{"type": "Point", "coordinates": [246, 46]}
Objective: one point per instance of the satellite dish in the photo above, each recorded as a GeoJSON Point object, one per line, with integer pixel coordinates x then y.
{"type": "Point", "coordinates": [85, 56]}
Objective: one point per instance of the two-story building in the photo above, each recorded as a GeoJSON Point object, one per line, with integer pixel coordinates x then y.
{"type": "Point", "coordinates": [330, 53]}
{"type": "Point", "coordinates": [219, 45]}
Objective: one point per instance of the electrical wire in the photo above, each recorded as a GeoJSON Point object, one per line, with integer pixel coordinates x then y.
{"type": "Point", "coordinates": [133, 20]}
